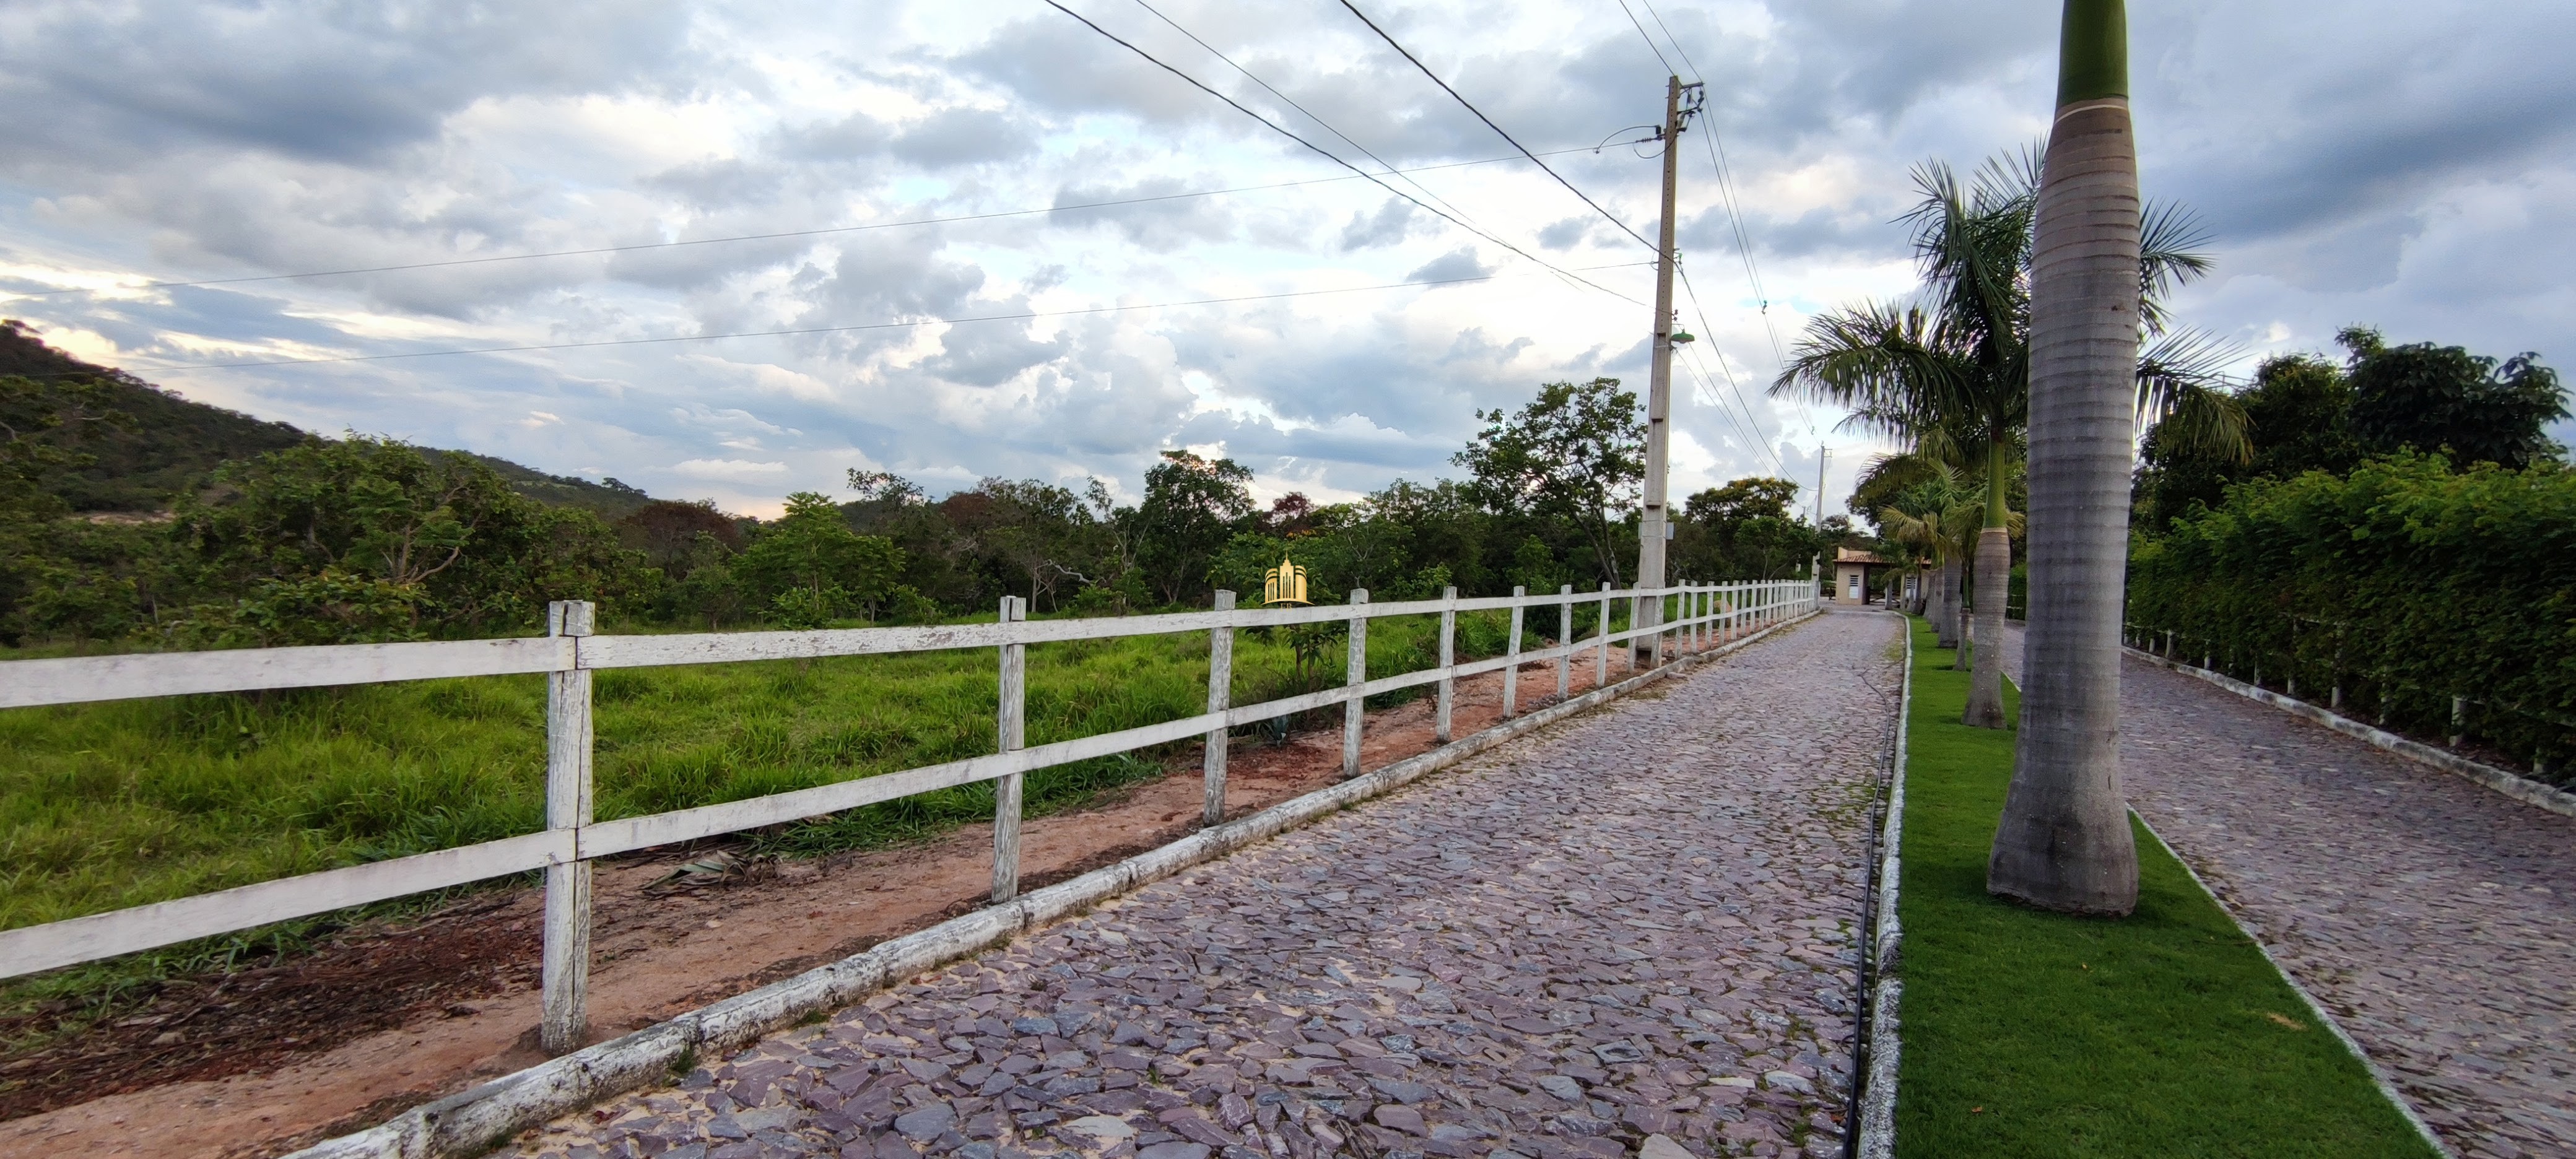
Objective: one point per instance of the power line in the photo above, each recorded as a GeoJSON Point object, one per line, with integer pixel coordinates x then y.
{"type": "Point", "coordinates": [1328, 155]}
{"type": "Point", "coordinates": [1726, 195]}
{"type": "Point", "coordinates": [1701, 311]}
{"type": "Point", "coordinates": [1714, 399]}
{"type": "Point", "coordinates": [1650, 41]}
{"type": "Point", "coordinates": [1291, 102]}
{"type": "Point", "coordinates": [1668, 35]}
{"type": "Point", "coordinates": [1489, 123]}
{"type": "Point", "coordinates": [793, 233]}
{"type": "Point", "coordinates": [1017, 317]}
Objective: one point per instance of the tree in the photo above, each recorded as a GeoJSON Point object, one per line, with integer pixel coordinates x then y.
{"type": "Point", "coordinates": [373, 539]}
{"type": "Point", "coordinates": [40, 423]}
{"type": "Point", "coordinates": [1749, 532]}
{"type": "Point", "coordinates": [1950, 372]}
{"type": "Point", "coordinates": [2445, 399]}
{"type": "Point", "coordinates": [1575, 454]}
{"type": "Point", "coordinates": [2063, 842]}
{"type": "Point", "coordinates": [1191, 509]}
{"type": "Point", "coordinates": [1042, 532]}
{"type": "Point", "coordinates": [810, 568]}
{"type": "Point", "coordinates": [2298, 413]}
{"type": "Point", "coordinates": [1940, 517]}
{"type": "Point", "coordinates": [667, 532]}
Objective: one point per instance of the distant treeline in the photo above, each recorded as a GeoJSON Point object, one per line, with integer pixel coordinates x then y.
{"type": "Point", "coordinates": [307, 540]}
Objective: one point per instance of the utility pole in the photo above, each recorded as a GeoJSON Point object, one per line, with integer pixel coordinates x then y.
{"type": "Point", "coordinates": [1654, 523]}
{"type": "Point", "coordinates": [1823, 453]}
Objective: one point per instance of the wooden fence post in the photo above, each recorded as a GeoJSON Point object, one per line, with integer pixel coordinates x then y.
{"type": "Point", "coordinates": [1012, 725]}
{"type": "Point", "coordinates": [1448, 660]}
{"type": "Point", "coordinates": [564, 978]}
{"type": "Point", "coordinates": [1354, 674]}
{"type": "Point", "coordinates": [1601, 655]}
{"type": "Point", "coordinates": [1636, 619]}
{"type": "Point", "coordinates": [1220, 698]}
{"type": "Point", "coordinates": [1512, 652]}
{"type": "Point", "coordinates": [2337, 704]}
{"type": "Point", "coordinates": [1565, 640]}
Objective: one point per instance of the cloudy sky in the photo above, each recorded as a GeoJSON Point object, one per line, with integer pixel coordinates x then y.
{"type": "Point", "coordinates": [918, 167]}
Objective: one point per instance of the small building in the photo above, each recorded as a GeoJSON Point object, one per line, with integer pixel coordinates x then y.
{"type": "Point", "coordinates": [1857, 576]}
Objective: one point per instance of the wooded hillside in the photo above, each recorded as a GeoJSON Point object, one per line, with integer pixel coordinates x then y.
{"type": "Point", "coordinates": [138, 465]}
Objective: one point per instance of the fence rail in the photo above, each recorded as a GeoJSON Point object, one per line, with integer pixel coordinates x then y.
{"type": "Point", "coordinates": [2346, 677]}
{"type": "Point", "coordinates": [1687, 617]}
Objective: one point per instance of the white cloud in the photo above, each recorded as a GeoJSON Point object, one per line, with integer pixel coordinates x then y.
{"type": "Point", "coordinates": [729, 469]}
{"type": "Point", "coordinates": [2349, 177]}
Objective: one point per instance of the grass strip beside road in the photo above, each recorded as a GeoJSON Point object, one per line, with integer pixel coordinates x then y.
{"type": "Point", "coordinates": [2164, 1034]}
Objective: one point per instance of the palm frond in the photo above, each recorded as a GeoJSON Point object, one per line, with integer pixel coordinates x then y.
{"type": "Point", "coordinates": [1898, 369]}
{"type": "Point", "coordinates": [2169, 256]}
{"type": "Point", "coordinates": [2010, 179]}
{"type": "Point", "coordinates": [2183, 396]}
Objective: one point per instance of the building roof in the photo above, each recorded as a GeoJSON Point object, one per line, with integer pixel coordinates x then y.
{"type": "Point", "coordinates": [1852, 555]}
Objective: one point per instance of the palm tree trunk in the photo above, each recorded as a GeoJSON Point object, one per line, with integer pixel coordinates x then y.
{"type": "Point", "coordinates": [1994, 576]}
{"type": "Point", "coordinates": [1945, 620]}
{"type": "Point", "coordinates": [2064, 842]}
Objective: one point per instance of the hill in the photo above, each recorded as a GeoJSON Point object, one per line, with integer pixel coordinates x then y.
{"type": "Point", "coordinates": [172, 440]}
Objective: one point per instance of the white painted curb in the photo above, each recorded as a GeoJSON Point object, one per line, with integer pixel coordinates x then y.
{"type": "Point", "coordinates": [2520, 788]}
{"type": "Point", "coordinates": [1877, 1128]}
{"type": "Point", "coordinates": [474, 1121]}
{"type": "Point", "coordinates": [2316, 1009]}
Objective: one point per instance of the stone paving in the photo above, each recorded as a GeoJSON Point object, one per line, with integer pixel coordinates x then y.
{"type": "Point", "coordinates": [2435, 918]}
{"type": "Point", "coordinates": [1639, 923]}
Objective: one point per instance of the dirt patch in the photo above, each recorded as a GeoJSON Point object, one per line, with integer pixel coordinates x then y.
{"type": "Point", "coordinates": [210, 1026]}
{"type": "Point", "coordinates": [384, 1017]}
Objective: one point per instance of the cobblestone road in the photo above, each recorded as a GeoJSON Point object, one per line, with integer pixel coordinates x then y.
{"type": "Point", "coordinates": [2436, 919]}
{"type": "Point", "coordinates": [1641, 922]}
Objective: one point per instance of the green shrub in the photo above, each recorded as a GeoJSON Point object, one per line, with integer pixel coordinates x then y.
{"type": "Point", "coordinates": [2405, 584]}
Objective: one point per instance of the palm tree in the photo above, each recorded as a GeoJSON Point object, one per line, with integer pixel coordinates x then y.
{"type": "Point", "coordinates": [1936, 515]}
{"type": "Point", "coordinates": [1949, 372]}
{"type": "Point", "coordinates": [2063, 842]}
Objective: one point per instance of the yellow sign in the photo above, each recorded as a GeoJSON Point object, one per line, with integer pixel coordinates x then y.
{"type": "Point", "coordinates": [1284, 584]}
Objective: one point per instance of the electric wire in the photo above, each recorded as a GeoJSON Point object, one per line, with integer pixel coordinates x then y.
{"type": "Point", "coordinates": [1726, 195]}
{"type": "Point", "coordinates": [820, 231]}
{"type": "Point", "coordinates": [1291, 102]}
{"type": "Point", "coordinates": [1650, 42]}
{"type": "Point", "coordinates": [1690, 358]}
{"type": "Point", "coordinates": [1328, 155]}
{"type": "Point", "coordinates": [1701, 312]}
{"type": "Point", "coordinates": [1707, 388]}
{"type": "Point", "coordinates": [1668, 35]}
{"type": "Point", "coordinates": [1489, 123]}
{"type": "Point", "coordinates": [1020, 316]}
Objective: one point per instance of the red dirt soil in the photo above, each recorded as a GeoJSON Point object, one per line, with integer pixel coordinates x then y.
{"type": "Point", "coordinates": [263, 1061]}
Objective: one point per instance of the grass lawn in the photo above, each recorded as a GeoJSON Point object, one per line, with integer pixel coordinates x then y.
{"type": "Point", "coordinates": [2164, 1034]}
{"type": "Point", "coordinates": [123, 803]}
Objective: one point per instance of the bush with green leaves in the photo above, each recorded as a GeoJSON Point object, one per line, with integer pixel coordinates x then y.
{"type": "Point", "coordinates": [2405, 583]}
{"type": "Point", "coordinates": [373, 539]}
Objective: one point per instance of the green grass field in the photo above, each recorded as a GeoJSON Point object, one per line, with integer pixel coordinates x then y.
{"type": "Point", "coordinates": [119, 804]}
{"type": "Point", "coordinates": [2164, 1034]}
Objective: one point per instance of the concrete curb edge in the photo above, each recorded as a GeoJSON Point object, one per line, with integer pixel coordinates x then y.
{"type": "Point", "coordinates": [1877, 1127]}
{"type": "Point", "coordinates": [2316, 1009]}
{"type": "Point", "coordinates": [477, 1120]}
{"type": "Point", "coordinates": [2520, 788]}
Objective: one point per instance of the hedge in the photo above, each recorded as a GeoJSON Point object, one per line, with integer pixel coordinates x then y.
{"type": "Point", "coordinates": [2391, 591]}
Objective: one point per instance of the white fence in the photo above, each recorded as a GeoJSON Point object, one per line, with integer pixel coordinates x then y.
{"type": "Point", "coordinates": [1687, 618]}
